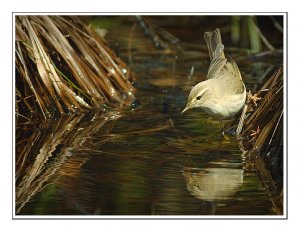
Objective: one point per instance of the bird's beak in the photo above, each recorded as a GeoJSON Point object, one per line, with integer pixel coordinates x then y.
{"type": "Point", "coordinates": [185, 109]}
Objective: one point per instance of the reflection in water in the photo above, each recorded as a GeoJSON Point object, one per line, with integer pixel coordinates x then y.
{"type": "Point", "coordinates": [54, 144]}
{"type": "Point", "coordinates": [116, 164]}
{"type": "Point", "coordinates": [211, 184]}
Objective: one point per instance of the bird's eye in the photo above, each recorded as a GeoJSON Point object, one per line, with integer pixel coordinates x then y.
{"type": "Point", "coordinates": [198, 98]}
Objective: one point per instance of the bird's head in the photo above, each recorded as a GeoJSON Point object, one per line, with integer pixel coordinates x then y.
{"type": "Point", "coordinates": [197, 96]}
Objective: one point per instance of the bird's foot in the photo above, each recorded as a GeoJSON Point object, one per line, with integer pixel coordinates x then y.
{"type": "Point", "coordinates": [254, 134]}
{"type": "Point", "coordinates": [253, 98]}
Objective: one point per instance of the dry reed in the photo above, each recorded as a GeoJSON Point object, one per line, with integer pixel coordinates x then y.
{"type": "Point", "coordinates": [264, 125]}
{"type": "Point", "coordinates": [263, 137]}
{"type": "Point", "coordinates": [62, 67]}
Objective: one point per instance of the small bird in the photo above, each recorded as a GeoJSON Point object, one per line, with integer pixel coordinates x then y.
{"type": "Point", "coordinates": [223, 93]}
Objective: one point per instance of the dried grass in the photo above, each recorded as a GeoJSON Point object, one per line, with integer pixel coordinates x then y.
{"type": "Point", "coordinates": [264, 123]}
{"type": "Point", "coordinates": [263, 137]}
{"type": "Point", "coordinates": [64, 67]}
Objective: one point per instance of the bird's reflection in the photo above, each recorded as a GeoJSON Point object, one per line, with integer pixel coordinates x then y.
{"type": "Point", "coordinates": [210, 184]}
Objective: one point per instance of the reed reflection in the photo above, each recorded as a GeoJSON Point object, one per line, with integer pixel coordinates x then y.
{"type": "Point", "coordinates": [50, 146]}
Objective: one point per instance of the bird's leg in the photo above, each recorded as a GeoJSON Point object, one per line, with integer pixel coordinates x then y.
{"type": "Point", "coordinates": [250, 98]}
{"type": "Point", "coordinates": [241, 122]}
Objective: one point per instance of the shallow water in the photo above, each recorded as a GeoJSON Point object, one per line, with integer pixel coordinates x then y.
{"type": "Point", "coordinates": [144, 165]}
{"type": "Point", "coordinates": [146, 159]}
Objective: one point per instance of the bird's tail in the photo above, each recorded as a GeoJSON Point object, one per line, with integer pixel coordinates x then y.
{"type": "Point", "coordinates": [214, 44]}
{"type": "Point", "coordinates": [216, 53]}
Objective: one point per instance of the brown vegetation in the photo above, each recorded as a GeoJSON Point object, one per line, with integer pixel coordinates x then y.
{"type": "Point", "coordinates": [62, 66]}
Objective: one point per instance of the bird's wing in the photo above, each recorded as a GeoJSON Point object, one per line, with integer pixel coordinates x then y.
{"type": "Point", "coordinates": [237, 81]}
{"type": "Point", "coordinates": [222, 68]}
{"type": "Point", "coordinates": [215, 68]}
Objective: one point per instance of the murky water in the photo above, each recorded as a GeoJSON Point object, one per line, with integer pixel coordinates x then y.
{"type": "Point", "coordinates": [147, 159]}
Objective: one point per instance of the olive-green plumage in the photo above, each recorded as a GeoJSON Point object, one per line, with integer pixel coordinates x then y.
{"type": "Point", "coordinates": [223, 93]}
